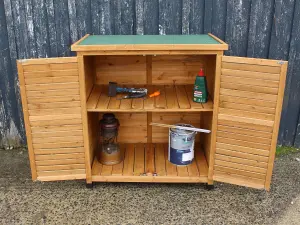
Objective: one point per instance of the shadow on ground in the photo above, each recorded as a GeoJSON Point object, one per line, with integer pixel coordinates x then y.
{"type": "Point", "coordinates": [25, 202]}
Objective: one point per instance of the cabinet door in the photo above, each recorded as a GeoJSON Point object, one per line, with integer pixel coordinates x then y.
{"type": "Point", "coordinates": [248, 107]}
{"type": "Point", "coordinates": [52, 115]}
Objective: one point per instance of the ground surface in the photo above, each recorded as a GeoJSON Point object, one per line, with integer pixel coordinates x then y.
{"type": "Point", "coordinates": [25, 202]}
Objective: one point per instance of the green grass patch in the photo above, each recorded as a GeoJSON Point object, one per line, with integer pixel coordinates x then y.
{"type": "Point", "coordinates": [285, 150]}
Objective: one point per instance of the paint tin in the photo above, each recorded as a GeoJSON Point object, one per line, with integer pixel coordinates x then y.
{"type": "Point", "coordinates": [181, 145]}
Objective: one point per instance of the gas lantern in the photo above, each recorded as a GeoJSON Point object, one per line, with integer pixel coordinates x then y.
{"type": "Point", "coordinates": [110, 153]}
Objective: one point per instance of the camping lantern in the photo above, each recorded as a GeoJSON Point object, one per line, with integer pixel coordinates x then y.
{"type": "Point", "coordinates": [110, 153]}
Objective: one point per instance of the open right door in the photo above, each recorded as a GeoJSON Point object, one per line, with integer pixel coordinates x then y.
{"type": "Point", "coordinates": [248, 115]}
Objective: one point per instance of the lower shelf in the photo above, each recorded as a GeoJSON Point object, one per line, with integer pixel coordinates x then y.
{"type": "Point", "coordinates": [149, 163]}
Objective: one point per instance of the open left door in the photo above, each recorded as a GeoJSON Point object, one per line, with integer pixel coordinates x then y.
{"type": "Point", "coordinates": [53, 121]}
{"type": "Point", "coordinates": [248, 107]}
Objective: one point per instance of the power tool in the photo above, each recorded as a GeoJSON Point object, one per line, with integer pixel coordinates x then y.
{"type": "Point", "coordinates": [113, 90]}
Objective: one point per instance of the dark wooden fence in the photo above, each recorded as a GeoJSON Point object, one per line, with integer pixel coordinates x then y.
{"type": "Point", "coordinates": [47, 28]}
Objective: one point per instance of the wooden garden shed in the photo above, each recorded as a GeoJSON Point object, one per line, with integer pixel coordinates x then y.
{"type": "Point", "coordinates": [63, 99]}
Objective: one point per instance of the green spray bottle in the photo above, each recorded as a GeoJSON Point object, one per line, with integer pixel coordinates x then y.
{"type": "Point", "coordinates": [200, 88]}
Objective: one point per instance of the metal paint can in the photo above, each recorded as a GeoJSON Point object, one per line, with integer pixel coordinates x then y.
{"type": "Point", "coordinates": [181, 145]}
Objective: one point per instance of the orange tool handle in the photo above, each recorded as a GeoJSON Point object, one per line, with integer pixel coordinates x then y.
{"type": "Point", "coordinates": [157, 93]}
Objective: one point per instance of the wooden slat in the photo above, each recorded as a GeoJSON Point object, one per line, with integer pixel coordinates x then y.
{"type": "Point", "coordinates": [129, 160]}
{"type": "Point", "coordinates": [242, 137]}
{"type": "Point", "coordinates": [54, 111]}
{"type": "Point", "coordinates": [57, 139]}
{"type": "Point", "coordinates": [160, 160]}
{"type": "Point", "coordinates": [60, 162]}
{"type": "Point", "coordinates": [249, 81]}
{"type": "Point", "coordinates": [240, 166]}
{"type": "Point", "coordinates": [49, 62]}
{"type": "Point", "coordinates": [233, 147]}
{"type": "Point", "coordinates": [171, 169]}
{"type": "Point", "coordinates": [58, 151]}
{"type": "Point", "coordinates": [61, 167]}
{"type": "Point", "coordinates": [171, 97]}
{"type": "Point", "coordinates": [241, 161]}
{"type": "Point", "coordinates": [117, 169]}
{"type": "Point", "coordinates": [58, 134]}
{"type": "Point", "coordinates": [96, 168]}
{"type": "Point", "coordinates": [54, 105]}
{"type": "Point", "coordinates": [149, 103]}
{"type": "Point", "coordinates": [48, 80]}
{"type": "Point", "coordinates": [247, 120]}
{"type": "Point", "coordinates": [248, 101]}
{"type": "Point", "coordinates": [239, 154]}
{"type": "Point", "coordinates": [252, 108]}
{"type": "Point", "coordinates": [50, 73]}
{"type": "Point", "coordinates": [54, 117]}
{"type": "Point", "coordinates": [149, 160]}
{"type": "Point", "coordinates": [252, 61]}
{"type": "Point", "coordinates": [250, 74]}
{"type": "Point", "coordinates": [182, 97]}
{"type": "Point", "coordinates": [59, 156]}
{"type": "Point", "coordinates": [106, 170]}
{"type": "Point", "coordinates": [250, 67]}
{"type": "Point", "coordinates": [193, 169]}
{"type": "Point", "coordinates": [239, 124]}
{"type": "Point", "coordinates": [230, 171]}
{"type": "Point", "coordinates": [103, 99]}
{"type": "Point", "coordinates": [243, 143]}
{"type": "Point", "coordinates": [182, 171]}
{"type": "Point", "coordinates": [248, 94]}
{"type": "Point", "coordinates": [61, 172]}
{"type": "Point", "coordinates": [160, 101]}
{"type": "Point", "coordinates": [247, 114]}
{"type": "Point", "coordinates": [94, 97]}
{"type": "Point", "coordinates": [56, 128]}
{"type": "Point", "coordinates": [114, 103]}
{"type": "Point", "coordinates": [250, 88]}
{"type": "Point", "coordinates": [57, 86]}
{"type": "Point", "coordinates": [139, 160]}
{"type": "Point", "coordinates": [59, 145]}
{"type": "Point", "coordinates": [126, 104]}
{"type": "Point", "coordinates": [243, 131]}
{"type": "Point", "coordinates": [137, 104]}
{"type": "Point", "coordinates": [56, 122]}
{"type": "Point", "coordinates": [49, 93]}
{"type": "Point", "coordinates": [201, 162]}
{"type": "Point", "coordinates": [66, 98]}
{"type": "Point", "coordinates": [238, 180]}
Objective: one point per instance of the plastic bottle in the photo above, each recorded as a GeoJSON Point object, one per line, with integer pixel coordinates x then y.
{"type": "Point", "coordinates": [200, 88]}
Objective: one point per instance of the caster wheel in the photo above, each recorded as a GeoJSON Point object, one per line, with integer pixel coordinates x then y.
{"type": "Point", "coordinates": [210, 187]}
{"type": "Point", "coordinates": [89, 186]}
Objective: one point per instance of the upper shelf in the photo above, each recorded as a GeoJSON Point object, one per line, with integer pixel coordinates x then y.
{"type": "Point", "coordinates": [172, 99]}
{"type": "Point", "coordinates": [149, 42]}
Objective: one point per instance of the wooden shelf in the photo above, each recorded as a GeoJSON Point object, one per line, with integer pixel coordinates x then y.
{"type": "Point", "coordinates": [149, 163]}
{"type": "Point", "coordinates": [176, 98]}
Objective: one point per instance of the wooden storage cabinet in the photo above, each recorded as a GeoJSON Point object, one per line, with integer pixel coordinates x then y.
{"type": "Point", "coordinates": [64, 98]}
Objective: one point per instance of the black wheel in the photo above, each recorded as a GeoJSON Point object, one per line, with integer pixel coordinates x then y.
{"type": "Point", "coordinates": [210, 187]}
{"type": "Point", "coordinates": [89, 185]}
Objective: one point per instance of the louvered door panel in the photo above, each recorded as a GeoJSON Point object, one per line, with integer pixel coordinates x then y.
{"type": "Point", "coordinates": [52, 112]}
{"type": "Point", "coordinates": [250, 101]}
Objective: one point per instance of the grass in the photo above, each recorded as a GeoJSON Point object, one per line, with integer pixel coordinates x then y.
{"type": "Point", "coordinates": [282, 150]}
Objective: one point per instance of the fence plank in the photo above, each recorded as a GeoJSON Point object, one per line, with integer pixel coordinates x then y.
{"type": "Point", "coordinates": [279, 49]}
{"type": "Point", "coordinates": [146, 16]}
{"type": "Point", "coordinates": [102, 17]}
{"type": "Point", "coordinates": [219, 14]}
{"type": "Point", "coordinates": [238, 14]}
{"type": "Point", "coordinates": [62, 27]}
{"type": "Point", "coordinates": [291, 118]}
{"type": "Point", "coordinates": [124, 19]}
{"type": "Point", "coordinates": [84, 19]}
{"type": "Point", "coordinates": [170, 16]}
{"type": "Point", "coordinates": [260, 28]}
{"type": "Point", "coordinates": [193, 17]}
